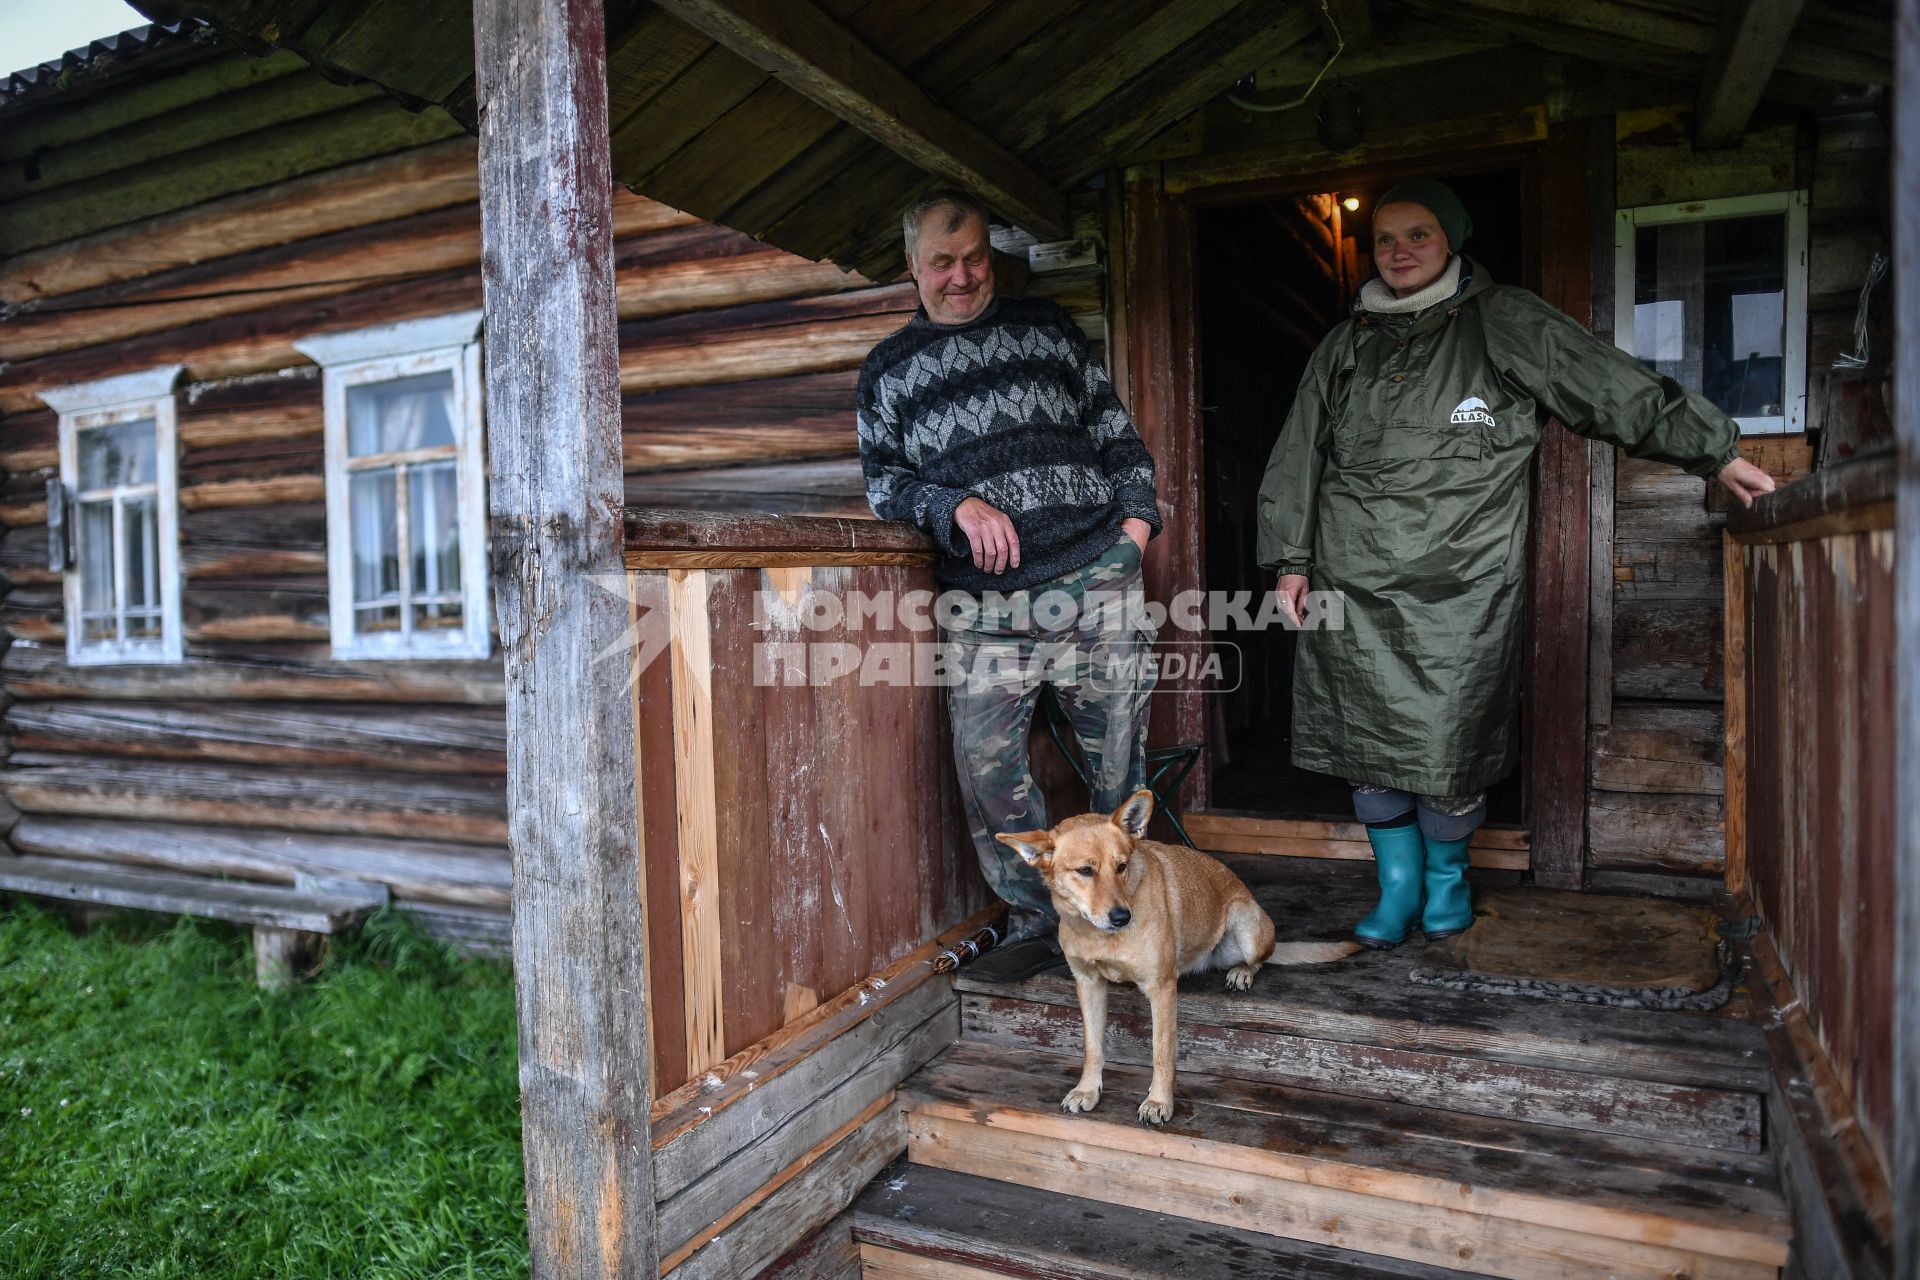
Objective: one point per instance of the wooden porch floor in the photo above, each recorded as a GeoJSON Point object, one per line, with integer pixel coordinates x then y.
{"type": "Point", "coordinates": [1345, 1121]}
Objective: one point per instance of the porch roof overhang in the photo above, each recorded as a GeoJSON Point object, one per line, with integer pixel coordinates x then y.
{"type": "Point", "coordinates": [810, 123]}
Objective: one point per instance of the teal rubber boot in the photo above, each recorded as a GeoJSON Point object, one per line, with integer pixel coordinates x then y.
{"type": "Point", "coordinates": [1398, 855]}
{"type": "Point", "coordinates": [1449, 908]}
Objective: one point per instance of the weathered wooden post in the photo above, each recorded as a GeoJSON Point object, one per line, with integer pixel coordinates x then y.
{"type": "Point", "coordinates": [1906, 669]}
{"type": "Point", "coordinates": [553, 464]}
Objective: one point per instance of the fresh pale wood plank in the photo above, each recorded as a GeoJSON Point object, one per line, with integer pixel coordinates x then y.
{"type": "Point", "coordinates": [1222, 832]}
{"type": "Point", "coordinates": [877, 1262]}
{"type": "Point", "coordinates": [693, 742]}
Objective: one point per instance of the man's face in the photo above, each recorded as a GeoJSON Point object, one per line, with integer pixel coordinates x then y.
{"type": "Point", "coordinates": [953, 269]}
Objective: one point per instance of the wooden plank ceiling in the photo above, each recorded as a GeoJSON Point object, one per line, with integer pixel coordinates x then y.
{"type": "Point", "coordinates": [809, 124]}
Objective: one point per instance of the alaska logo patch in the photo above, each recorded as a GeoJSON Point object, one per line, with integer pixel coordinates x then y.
{"type": "Point", "coordinates": [1472, 409]}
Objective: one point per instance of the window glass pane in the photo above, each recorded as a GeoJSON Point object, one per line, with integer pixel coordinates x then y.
{"type": "Point", "coordinates": [1709, 309]}
{"type": "Point", "coordinates": [376, 554]}
{"type": "Point", "coordinates": [435, 534]}
{"type": "Point", "coordinates": [95, 560]}
{"type": "Point", "coordinates": [406, 413]}
{"type": "Point", "coordinates": [116, 455]}
{"type": "Point", "coordinates": [139, 526]}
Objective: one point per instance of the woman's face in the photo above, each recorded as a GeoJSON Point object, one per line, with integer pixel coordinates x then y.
{"type": "Point", "coordinates": [1409, 247]}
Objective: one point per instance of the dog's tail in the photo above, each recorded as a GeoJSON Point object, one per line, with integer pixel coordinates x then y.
{"type": "Point", "coordinates": [1289, 953]}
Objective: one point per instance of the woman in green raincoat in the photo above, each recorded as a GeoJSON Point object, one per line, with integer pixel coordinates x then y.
{"type": "Point", "coordinates": [1400, 481]}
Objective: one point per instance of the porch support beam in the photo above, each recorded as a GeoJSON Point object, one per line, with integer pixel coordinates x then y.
{"type": "Point", "coordinates": [554, 481]}
{"type": "Point", "coordinates": [818, 57]}
{"type": "Point", "coordinates": [1753, 35]}
{"type": "Point", "coordinates": [1906, 669]}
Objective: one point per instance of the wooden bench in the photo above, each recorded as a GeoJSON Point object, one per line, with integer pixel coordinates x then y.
{"type": "Point", "coordinates": [288, 923]}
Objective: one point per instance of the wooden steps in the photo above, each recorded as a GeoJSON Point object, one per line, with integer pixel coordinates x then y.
{"type": "Point", "coordinates": [1441, 1189]}
{"type": "Point", "coordinates": [1360, 1027]}
{"type": "Point", "coordinates": [916, 1222]}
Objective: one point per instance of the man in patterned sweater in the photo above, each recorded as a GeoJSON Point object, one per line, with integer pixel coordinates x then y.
{"type": "Point", "coordinates": [986, 422]}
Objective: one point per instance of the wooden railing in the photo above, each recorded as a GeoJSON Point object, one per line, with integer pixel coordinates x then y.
{"type": "Point", "coordinates": [1810, 786]}
{"type": "Point", "coordinates": [803, 856]}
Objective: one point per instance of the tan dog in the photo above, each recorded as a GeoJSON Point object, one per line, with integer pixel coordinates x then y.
{"type": "Point", "coordinates": [1135, 910]}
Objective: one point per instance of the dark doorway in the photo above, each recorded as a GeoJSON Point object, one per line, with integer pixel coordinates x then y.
{"type": "Point", "coordinates": [1273, 278]}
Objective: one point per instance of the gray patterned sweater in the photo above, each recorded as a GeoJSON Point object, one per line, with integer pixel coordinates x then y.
{"type": "Point", "coordinates": [1010, 408]}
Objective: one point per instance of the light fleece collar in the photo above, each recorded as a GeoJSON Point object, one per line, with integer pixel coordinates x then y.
{"type": "Point", "coordinates": [1376, 297]}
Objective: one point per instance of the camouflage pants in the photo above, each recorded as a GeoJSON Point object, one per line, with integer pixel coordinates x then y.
{"type": "Point", "coordinates": [1083, 633]}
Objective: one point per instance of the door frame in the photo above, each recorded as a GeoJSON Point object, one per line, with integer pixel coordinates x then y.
{"type": "Point", "coordinates": [1154, 312]}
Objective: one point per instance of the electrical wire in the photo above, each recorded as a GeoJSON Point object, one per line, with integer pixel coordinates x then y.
{"type": "Point", "coordinates": [1339, 47]}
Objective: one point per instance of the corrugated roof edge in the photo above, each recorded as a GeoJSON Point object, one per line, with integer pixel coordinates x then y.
{"type": "Point", "coordinates": [105, 58]}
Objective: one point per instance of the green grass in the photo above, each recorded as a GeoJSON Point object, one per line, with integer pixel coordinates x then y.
{"type": "Point", "coordinates": [161, 1117]}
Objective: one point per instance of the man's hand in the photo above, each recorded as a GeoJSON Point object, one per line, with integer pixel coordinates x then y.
{"type": "Point", "coordinates": [1137, 529]}
{"type": "Point", "coordinates": [1745, 481]}
{"type": "Point", "coordinates": [996, 547]}
{"type": "Point", "coordinates": [1292, 594]}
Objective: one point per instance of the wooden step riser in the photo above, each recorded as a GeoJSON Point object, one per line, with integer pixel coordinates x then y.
{"type": "Point", "coordinates": [1337, 1216]}
{"type": "Point", "coordinates": [1715, 1119]}
{"type": "Point", "coordinates": [880, 1263]}
{"type": "Point", "coordinates": [919, 1221]}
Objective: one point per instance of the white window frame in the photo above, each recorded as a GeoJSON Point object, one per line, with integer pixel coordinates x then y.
{"type": "Point", "coordinates": [1793, 381]}
{"type": "Point", "coordinates": [449, 343]}
{"type": "Point", "coordinates": [129, 397]}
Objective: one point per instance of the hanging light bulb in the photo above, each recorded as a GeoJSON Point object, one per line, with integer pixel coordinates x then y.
{"type": "Point", "coordinates": [1351, 204]}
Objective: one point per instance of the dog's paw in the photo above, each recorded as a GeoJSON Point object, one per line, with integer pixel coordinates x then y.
{"type": "Point", "coordinates": [1081, 1099]}
{"type": "Point", "coordinates": [1156, 1111]}
{"type": "Point", "coordinates": [1240, 977]}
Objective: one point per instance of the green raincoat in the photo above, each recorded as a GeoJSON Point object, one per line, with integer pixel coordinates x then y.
{"type": "Point", "coordinates": [1400, 480]}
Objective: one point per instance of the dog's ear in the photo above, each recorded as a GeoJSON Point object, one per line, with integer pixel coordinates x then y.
{"type": "Point", "coordinates": [1034, 847]}
{"type": "Point", "coordinates": [1133, 816]}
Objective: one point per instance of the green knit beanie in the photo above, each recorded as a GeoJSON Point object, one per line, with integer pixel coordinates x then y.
{"type": "Point", "coordinates": [1440, 201]}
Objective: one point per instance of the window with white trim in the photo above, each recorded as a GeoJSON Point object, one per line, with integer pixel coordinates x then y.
{"type": "Point", "coordinates": [1713, 293]}
{"type": "Point", "coordinates": [406, 489]}
{"type": "Point", "coordinates": [113, 515]}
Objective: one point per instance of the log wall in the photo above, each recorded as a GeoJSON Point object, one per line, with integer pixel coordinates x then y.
{"type": "Point", "coordinates": [328, 209]}
{"type": "Point", "coordinates": [1656, 806]}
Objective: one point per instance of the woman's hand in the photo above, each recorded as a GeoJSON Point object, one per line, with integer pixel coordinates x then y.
{"type": "Point", "coordinates": [996, 547]}
{"type": "Point", "coordinates": [1137, 529]}
{"type": "Point", "coordinates": [1745, 481]}
{"type": "Point", "coordinates": [1292, 593]}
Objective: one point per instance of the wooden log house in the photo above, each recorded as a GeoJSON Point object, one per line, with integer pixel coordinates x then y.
{"type": "Point", "coordinates": [302, 591]}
